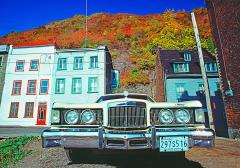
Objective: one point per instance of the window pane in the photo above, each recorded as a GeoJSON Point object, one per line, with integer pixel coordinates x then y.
{"type": "Point", "coordinates": [31, 87]}
{"type": "Point", "coordinates": [181, 67]}
{"type": "Point", "coordinates": [34, 65]}
{"type": "Point", "coordinates": [78, 63]}
{"type": "Point", "coordinates": [77, 85]}
{"type": "Point", "coordinates": [92, 84]}
{"type": "Point", "coordinates": [29, 109]}
{"type": "Point", "coordinates": [17, 87]}
{"type": "Point", "coordinates": [60, 86]}
{"type": "Point", "coordinates": [20, 66]}
{"type": "Point", "coordinates": [62, 64]}
{"type": "Point", "coordinates": [44, 87]}
{"type": "Point", "coordinates": [180, 89]}
{"type": "Point", "coordinates": [93, 62]}
{"type": "Point", "coordinates": [13, 110]}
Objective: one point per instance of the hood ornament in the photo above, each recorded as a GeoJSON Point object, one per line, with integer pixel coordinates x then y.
{"type": "Point", "coordinates": [125, 93]}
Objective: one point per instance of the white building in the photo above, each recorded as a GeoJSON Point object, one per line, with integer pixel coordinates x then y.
{"type": "Point", "coordinates": [81, 75]}
{"type": "Point", "coordinates": [26, 98]}
{"type": "Point", "coordinates": [38, 76]}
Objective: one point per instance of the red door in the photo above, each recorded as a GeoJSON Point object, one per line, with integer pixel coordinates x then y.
{"type": "Point", "coordinates": [41, 117]}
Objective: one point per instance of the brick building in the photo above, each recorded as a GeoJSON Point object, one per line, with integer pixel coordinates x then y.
{"type": "Point", "coordinates": [225, 22]}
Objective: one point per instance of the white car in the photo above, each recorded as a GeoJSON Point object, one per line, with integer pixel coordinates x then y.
{"type": "Point", "coordinates": [128, 122]}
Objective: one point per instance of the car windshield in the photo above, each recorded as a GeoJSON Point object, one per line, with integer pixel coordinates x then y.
{"type": "Point", "coordinates": [134, 96]}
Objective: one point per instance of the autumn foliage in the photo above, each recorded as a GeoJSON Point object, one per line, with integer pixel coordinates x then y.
{"type": "Point", "coordinates": [139, 36]}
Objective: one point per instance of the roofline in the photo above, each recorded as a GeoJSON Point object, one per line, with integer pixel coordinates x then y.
{"type": "Point", "coordinates": [46, 45]}
{"type": "Point", "coordinates": [81, 49]}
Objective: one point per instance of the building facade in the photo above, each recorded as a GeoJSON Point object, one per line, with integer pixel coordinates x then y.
{"type": "Point", "coordinates": [26, 98]}
{"type": "Point", "coordinates": [82, 75]}
{"type": "Point", "coordinates": [38, 76]}
{"type": "Point", "coordinates": [178, 78]}
{"type": "Point", "coordinates": [224, 17]}
{"type": "Point", "coordinates": [3, 63]}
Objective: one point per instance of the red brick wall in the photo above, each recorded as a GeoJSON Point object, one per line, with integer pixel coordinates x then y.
{"type": "Point", "coordinates": [160, 81]}
{"type": "Point", "coordinates": [225, 22]}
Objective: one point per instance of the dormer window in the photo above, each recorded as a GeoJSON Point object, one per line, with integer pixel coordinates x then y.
{"type": "Point", "coordinates": [211, 67]}
{"type": "Point", "coordinates": [180, 67]}
{"type": "Point", "coordinates": [187, 57]}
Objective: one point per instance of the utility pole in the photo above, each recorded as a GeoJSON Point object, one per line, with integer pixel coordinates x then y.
{"type": "Point", "coordinates": [86, 23]}
{"type": "Point", "coordinates": [204, 75]}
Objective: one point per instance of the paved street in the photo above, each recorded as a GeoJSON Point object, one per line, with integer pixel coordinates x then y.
{"type": "Point", "coordinates": [226, 154]}
{"type": "Point", "coordinates": [20, 131]}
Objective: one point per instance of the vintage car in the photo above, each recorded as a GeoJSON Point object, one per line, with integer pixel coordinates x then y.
{"type": "Point", "coordinates": [128, 122]}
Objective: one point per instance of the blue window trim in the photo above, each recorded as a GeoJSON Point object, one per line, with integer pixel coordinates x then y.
{"type": "Point", "coordinates": [94, 67]}
{"type": "Point", "coordinates": [213, 67]}
{"type": "Point", "coordinates": [73, 85]}
{"type": "Point", "coordinates": [64, 81]}
{"type": "Point", "coordinates": [187, 56]}
{"type": "Point", "coordinates": [74, 62]}
{"type": "Point", "coordinates": [58, 68]}
{"type": "Point", "coordinates": [175, 70]}
{"type": "Point", "coordinates": [97, 85]}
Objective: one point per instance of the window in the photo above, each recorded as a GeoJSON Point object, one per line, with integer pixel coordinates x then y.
{"type": "Point", "coordinates": [29, 110]}
{"type": "Point", "coordinates": [180, 91]}
{"type": "Point", "coordinates": [187, 57]}
{"type": "Point", "coordinates": [92, 84]}
{"type": "Point", "coordinates": [62, 64]}
{"type": "Point", "coordinates": [201, 88]}
{"type": "Point", "coordinates": [14, 110]}
{"type": "Point", "coordinates": [60, 86]}
{"type": "Point", "coordinates": [180, 67]}
{"type": "Point", "coordinates": [1, 61]}
{"type": "Point", "coordinates": [44, 86]}
{"type": "Point", "coordinates": [32, 86]}
{"type": "Point", "coordinates": [77, 85]}
{"type": "Point", "coordinates": [93, 62]}
{"type": "Point", "coordinates": [211, 67]}
{"type": "Point", "coordinates": [78, 63]}
{"type": "Point", "coordinates": [17, 85]}
{"type": "Point", "coordinates": [19, 65]}
{"type": "Point", "coordinates": [34, 64]}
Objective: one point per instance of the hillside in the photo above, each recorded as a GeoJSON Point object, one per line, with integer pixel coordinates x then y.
{"type": "Point", "coordinates": [132, 39]}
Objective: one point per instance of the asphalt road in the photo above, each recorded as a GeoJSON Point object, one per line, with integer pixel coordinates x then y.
{"type": "Point", "coordinates": [6, 132]}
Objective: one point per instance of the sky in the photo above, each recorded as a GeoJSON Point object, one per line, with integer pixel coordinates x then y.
{"type": "Point", "coordinates": [20, 15]}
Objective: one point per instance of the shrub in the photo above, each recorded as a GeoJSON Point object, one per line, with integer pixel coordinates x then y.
{"type": "Point", "coordinates": [133, 77]}
{"type": "Point", "coordinates": [11, 150]}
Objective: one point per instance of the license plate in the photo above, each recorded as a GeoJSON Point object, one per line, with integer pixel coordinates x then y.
{"type": "Point", "coordinates": [173, 144]}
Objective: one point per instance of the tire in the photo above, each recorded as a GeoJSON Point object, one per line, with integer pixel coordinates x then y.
{"type": "Point", "coordinates": [76, 155]}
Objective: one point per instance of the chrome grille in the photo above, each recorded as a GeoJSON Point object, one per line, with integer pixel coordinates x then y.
{"type": "Point", "coordinates": [127, 116]}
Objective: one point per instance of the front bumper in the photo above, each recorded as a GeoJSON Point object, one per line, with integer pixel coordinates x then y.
{"type": "Point", "coordinates": [101, 139]}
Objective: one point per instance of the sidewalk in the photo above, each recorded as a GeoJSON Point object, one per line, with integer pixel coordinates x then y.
{"type": "Point", "coordinates": [15, 131]}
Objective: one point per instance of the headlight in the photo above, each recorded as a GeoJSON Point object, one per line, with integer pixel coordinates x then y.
{"type": "Point", "coordinates": [182, 116]}
{"type": "Point", "coordinates": [71, 117]}
{"type": "Point", "coordinates": [199, 116]}
{"type": "Point", "coordinates": [88, 117]}
{"type": "Point", "coordinates": [55, 117]}
{"type": "Point", "coordinates": [166, 116]}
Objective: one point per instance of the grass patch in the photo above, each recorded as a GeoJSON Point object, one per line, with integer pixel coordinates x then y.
{"type": "Point", "coordinates": [12, 150]}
